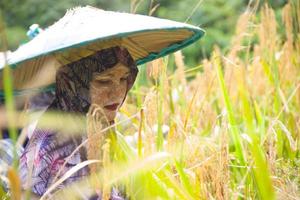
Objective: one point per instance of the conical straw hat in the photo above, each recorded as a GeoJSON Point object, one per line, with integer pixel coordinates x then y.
{"type": "Point", "coordinates": [85, 30]}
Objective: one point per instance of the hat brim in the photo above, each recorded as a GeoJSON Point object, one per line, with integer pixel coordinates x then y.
{"type": "Point", "coordinates": [73, 37]}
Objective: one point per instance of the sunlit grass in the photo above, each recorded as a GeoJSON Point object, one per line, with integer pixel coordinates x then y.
{"type": "Point", "coordinates": [233, 130]}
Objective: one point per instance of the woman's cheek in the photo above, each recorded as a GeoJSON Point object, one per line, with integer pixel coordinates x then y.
{"type": "Point", "coordinates": [121, 90]}
{"type": "Point", "coordinates": [98, 97]}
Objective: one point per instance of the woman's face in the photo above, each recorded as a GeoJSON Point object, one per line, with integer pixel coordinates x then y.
{"type": "Point", "coordinates": [108, 89]}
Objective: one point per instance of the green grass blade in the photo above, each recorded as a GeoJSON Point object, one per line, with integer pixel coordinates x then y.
{"type": "Point", "coordinates": [230, 116]}
{"type": "Point", "coordinates": [8, 94]}
{"type": "Point", "coordinates": [260, 169]}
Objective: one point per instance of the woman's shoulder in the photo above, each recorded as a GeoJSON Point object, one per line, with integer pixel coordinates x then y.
{"type": "Point", "coordinates": [49, 156]}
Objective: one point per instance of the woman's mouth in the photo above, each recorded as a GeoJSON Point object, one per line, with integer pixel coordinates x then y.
{"type": "Point", "coordinates": [112, 107]}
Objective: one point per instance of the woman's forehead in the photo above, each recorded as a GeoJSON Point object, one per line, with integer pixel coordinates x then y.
{"type": "Point", "coordinates": [118, 70]}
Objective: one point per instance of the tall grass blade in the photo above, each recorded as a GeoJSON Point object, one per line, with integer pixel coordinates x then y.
{"type": "Point", "coordinates": [14, 183]}
{"type": "Point", "coordinates": [230, 113]}
{"type": "Point", "coordinates": [260, 169]}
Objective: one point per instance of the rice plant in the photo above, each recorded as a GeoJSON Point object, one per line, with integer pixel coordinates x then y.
{"type": "Point", "coordinates": [226, 129]}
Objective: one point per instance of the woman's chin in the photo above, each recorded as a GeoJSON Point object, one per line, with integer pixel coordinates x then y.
{"type": "Point", "coordinates": [111, 115]}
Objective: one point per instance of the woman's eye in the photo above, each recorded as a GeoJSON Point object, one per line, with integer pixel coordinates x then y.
{"type": "Point", "coordinates": [124, 79]}
{"type": "Point", "coordinates": [103, 82]}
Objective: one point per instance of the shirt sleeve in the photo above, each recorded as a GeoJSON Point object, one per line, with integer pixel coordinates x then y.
{"type": "Point", "coordinates": [43, 158]}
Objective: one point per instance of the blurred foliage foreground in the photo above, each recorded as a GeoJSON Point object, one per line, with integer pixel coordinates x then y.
{"type": "Point", "coordinates": [233, 132]}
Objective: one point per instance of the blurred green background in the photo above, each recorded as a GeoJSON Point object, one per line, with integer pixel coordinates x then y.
{"type": "Point", "coordinates": [217, 17]}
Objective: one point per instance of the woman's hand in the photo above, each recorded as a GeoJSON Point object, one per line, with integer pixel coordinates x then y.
{"type": "Point", "coordinates": [96, 133]}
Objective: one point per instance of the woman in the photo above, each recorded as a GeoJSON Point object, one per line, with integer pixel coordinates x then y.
{"type": "Point", "coordinates": [102, 79]}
